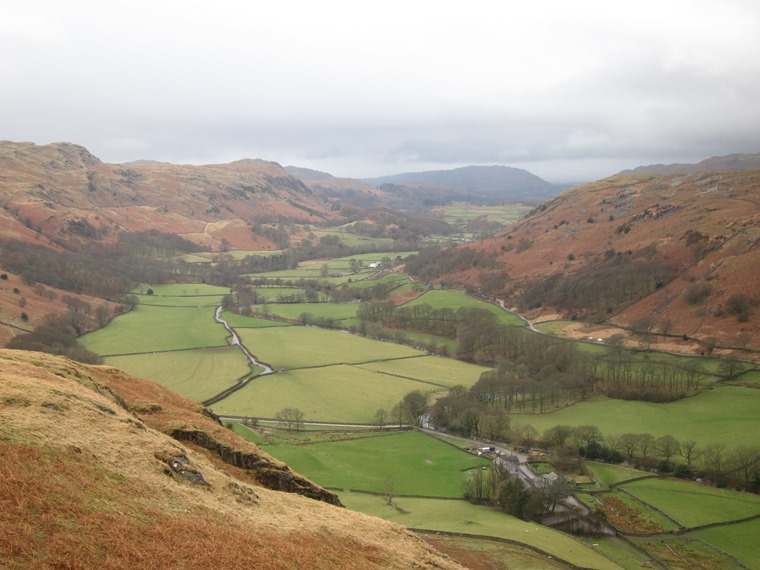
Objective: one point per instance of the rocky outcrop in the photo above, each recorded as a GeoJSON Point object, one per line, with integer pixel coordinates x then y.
{"type": "Point", "coordinates": [269, 474]}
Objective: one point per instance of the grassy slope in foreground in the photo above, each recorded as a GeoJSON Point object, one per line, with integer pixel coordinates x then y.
{"type": "Point", "coordinates": [88, 487]}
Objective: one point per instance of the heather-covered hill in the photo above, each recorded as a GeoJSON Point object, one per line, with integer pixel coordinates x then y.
{"type": "Point", "coordinates": [99, 469]}
{"type": "Point", "coordinates": [61, 194]}
{"type": "Point", "coordinates": [680, 249]}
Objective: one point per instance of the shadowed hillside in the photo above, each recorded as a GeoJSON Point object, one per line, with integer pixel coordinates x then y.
{"type": "Point", "coordinates": [102, 470]}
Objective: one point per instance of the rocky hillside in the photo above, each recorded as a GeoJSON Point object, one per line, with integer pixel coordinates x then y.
{"type": "Point", "coordinates": [682, 250]}
{"type": "Point", "coordinates": [60, 193]}
{"type": "Point", "coordinates": [102, 470]}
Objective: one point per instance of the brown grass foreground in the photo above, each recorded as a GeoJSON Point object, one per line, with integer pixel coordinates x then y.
{"type": "Point", "coordinates": [84, 484]}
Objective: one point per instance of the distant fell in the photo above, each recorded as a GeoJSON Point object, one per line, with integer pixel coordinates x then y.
{"type": "Point", "coordinates": [680, 251]}
{"type": "Point", "coordinates": [495, 184]}
{"type": "Point", "coordinates": [727, 163]}
{"type": "Point", "coordinates": [60, 194]}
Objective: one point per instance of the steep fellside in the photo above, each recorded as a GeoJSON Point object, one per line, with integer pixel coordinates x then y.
{"type": "Point", "coordinates": [59, 193]}
{"type": "Point", "coordinates": [89, 478]}
{"type": "Point", "coordinates": [683, 249]}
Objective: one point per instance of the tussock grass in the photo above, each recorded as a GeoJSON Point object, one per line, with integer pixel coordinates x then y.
{"type": "Point", "coordinates": [81, 487]}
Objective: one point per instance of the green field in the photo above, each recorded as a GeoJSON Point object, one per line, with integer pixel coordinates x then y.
{"type": "Point", "coordinates": [607, 474]}
{"type": "Point", "coordinates": [427, 339]}
{"type": "Point", "coordinates": [241, 321]}
{"type": "Point", "coordinates": [340, 393]}
{"type": "Point", "coordinates": [181, 301]}
{"type": "Point", "coordinates": [299, 347]}
{"type": "Point", "coordinates": [463, 517]}
{"type": "Point", "coordinates": [181, 290]}
{"type": "Point", "coordinates": [435, 369]}
{"type": "Point", "coordinates": [739, 539]}
{"type": "Point", "coordinates": [646, 518]}
{"type": "Point", "coordinates": [504, 214]}
{"type": "Point", "coordinates": [152, 329]}
{"type": "Point", "coordinates": [722, 414]}
{"type": "Point", "coordinates": [197, 374]}
{"type": "Point", "coordinates": [439, 299]}
{"type": "Point", "coordinates": [274, 293]}
{"type": "Point", "coordinates": [419, 465]}
{"type": "Point", "coordinates": [693, 504]}
{"type": "Point", "coordinates": [394, 278]}
{"type": "Point", "coordinates": [293, 311]}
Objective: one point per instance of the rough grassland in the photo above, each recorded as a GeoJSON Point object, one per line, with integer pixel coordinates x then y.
{"type": "Point", "coordinates": [299, 347]}
{"type": "Point", "coordinates": [333, 393]}
{"type": "Point", "coordinates": [445, 371]}
{"type": "Point", "coordinates": [417, 463]}
{"type": "Point", "coordinates": [150, 329]}
{"type": "Point", "coordinates": [84, 484]}
{"type": "Point", "coordinates": [196, 374]}
{"type": "Point", "coordinates": [723, 414]}
{"type": "Point", "coordinates": [461, 516]}
{"type": "Point", "coordinates": [693, 504]}
{"type": "Point", "coordinates": [439, 299]}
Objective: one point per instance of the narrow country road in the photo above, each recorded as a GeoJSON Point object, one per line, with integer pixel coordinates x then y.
{"type": "Point", "coordinates": [235, 341]}
{"type": "Point", "coordinates": [527, 322]}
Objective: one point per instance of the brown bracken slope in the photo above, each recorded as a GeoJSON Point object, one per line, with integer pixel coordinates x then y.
{"type": "Point", "coordinates": [52, 192]}
{"type": "Point", "coordinates": [102, 470]}
{"type": "Point", "coordinates": [704, 225]}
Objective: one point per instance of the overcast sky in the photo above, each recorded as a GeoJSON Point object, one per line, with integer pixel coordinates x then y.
{"type": "Point", "coordinates": [570, 91]}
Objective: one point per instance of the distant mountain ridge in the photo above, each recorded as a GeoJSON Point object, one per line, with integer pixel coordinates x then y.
{"type": "Point", "coordinates": [494, 183]}
{"type": "Point", "coordinates": [727, 163]}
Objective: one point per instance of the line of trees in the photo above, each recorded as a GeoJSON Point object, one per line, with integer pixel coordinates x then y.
{"type": "Point", "coordinates": [716, 463]}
